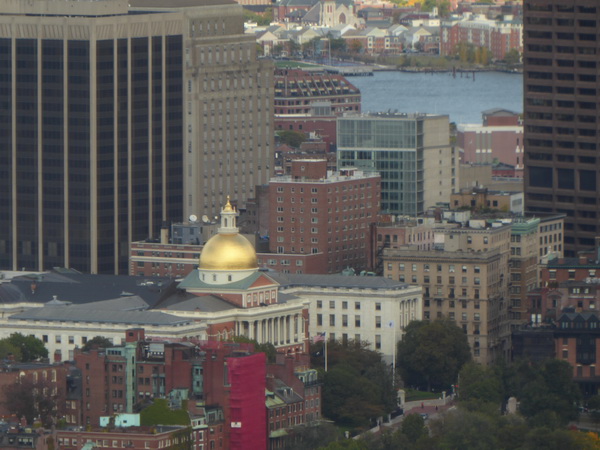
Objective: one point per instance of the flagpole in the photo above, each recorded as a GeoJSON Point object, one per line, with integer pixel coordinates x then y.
{"type": "Point", "coordinates": [394, 357]}
{"type": "Point", "coordinates": [325, 333]}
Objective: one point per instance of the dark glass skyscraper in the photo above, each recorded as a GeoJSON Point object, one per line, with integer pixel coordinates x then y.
{"type": "Point", "coordinates": [102, 137]}
{"type": "Point", "coordinates": [561, 77]}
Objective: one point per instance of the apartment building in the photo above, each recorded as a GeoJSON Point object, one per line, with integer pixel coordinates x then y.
{"type": "Point", "coordinates": [314, 211]}
{"type": "Point", "coordinates": [464, 279]}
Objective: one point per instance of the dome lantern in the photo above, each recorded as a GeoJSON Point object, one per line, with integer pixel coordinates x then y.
{"type": "Point", "coordinates": [228, 255]}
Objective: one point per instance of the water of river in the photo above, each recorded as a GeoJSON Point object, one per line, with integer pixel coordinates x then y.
{"type": "Point", "coordinates": [461, 97]}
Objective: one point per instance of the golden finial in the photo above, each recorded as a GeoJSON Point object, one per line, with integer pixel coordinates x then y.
{"type": "Point", "coordinates": [227, 207]}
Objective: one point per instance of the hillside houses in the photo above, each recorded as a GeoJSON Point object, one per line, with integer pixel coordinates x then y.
{"type": "Point", "coordinates": [380, 29]}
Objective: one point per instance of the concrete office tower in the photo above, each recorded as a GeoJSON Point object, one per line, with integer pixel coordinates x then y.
{"type": "Point", "coordinates": [116, 117]}
{"type": "Point", "coordinates": [562, 114]}
{"type": "Point", "coordinates": [412, 153]}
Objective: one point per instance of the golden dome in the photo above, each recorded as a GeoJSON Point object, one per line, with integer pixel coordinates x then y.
{"type": "Point", "coordinates": [228, 252]}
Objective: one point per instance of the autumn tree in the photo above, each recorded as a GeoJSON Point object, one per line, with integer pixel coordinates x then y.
{"type": "Point", "coordinates": [28, 399]}
{"type": "Point", "coordinates": [431, 354]}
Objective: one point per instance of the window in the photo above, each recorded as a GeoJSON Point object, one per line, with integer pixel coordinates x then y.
{"type": "Point", "coordinates": [378, 341]}
{"type": "Point", "coordinates": [357, 321]}
{"type": "Point", "coordinates": [319, 304]}
{"type": "Point", "coordinates": [331, 304]}
{"type": "Point", "coordinates": [332, 320]}
{"type": "Point", "coordinates": [356, 305]}
{"type": "Point", "coordinates": [344, 305]}
{"type": "Point", "coordinates": [377, 321]}
{"type": "Point", "coordinates": [377, 306]}
{"type": "Point", "coordinates": [464, 316]}
{"type": "Point", "coordinates": [319, 320]}
{"type": "Point", "coordinates": [345, 320]}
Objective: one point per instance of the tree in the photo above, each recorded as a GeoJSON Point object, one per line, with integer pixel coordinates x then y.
{"type": "Point", "coordinates": [593, 405]}
{"type": "Point", "coordinates": [291, 138]}
{"type": "Point", "coordinates": [431, 354]}
{"type": "Point", "coordinates": [479, 383]}
{"type": "Point", "coordinates": [28, 399]}
{"type": "Point", "coordinates": [465, 429]}
{"type": "Point", "coordinates": [267, 348]}
{"type": "Point", "coordinates": [31, 348]}
{"type": "Point", "coordinates": [357, 386]}
{"type": "Point", "coordinates": [356, 46]}
{"type": "Point", "coordinates": [546, 391]}
{"type": "Point", "coordinates": [413, 427]}
{"type": "Point", "coordinates": [8, 350]}
{"type": "Point", "coordinates": [512, 57]}
{"type": "Point", "coordinates": [96, 343]}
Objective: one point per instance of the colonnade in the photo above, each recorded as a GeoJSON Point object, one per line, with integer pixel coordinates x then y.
{"type": "Point", "coordinates": [282, 330]}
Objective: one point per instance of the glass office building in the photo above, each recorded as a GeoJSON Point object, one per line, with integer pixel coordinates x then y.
{"type": "Point", "coordinates": [405, 149]}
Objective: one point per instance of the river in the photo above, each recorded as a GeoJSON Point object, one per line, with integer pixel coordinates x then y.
{"type": "Point", "coordinates": [462, 97]}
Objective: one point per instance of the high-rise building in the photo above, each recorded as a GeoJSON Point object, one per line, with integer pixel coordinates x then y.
{"type": "Point", "coordinates": [116, 117]}
{"type": "Point", "coordinates": [561, 115]}
{"type": "Point", "coordinates": [412, 153]}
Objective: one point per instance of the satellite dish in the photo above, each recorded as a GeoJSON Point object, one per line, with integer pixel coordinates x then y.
{"type": "Point", "coordinates": [205, 218]}
{"type": "Point", "coordinates": [193, 218]}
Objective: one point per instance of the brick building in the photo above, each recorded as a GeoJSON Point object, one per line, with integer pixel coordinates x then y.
{"type": "Point", "coordinates": [498, 139]}
{"type": "Point", "coordinates": [316, 212]}
{"type": "Point", "coordinates": [497, 36]}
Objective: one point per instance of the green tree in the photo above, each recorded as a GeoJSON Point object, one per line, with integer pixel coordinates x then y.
{"type": "Point", "coordinates": [263, 19]}
{"type": "Point", "coordinates": [96, 343]}
{"type": "Point", "coordinates": [512, 57]}
{"type": "Point", "coordinates": [7, 349]}
{"type": "Point", "coordinates": [546, 391]}
{"type": "Point", "coordinates": [31, 347]}
{"type": "Point", "coordinates": [291, 138]}
{"type": "Point", "coordinates": [413, 427]}
{"type": "Point", "coordinates": [480, 383]}
{"type": "Point", "coordinates": [431, 354]}
{"type": "Point", "coordinates": [465, 430]}
{"type": "Point", "coordinates": [357, 386]}
{"type": "Point", "coordinates": [593, 405]}
{"type": "Point", "coordinates": [267, 348]}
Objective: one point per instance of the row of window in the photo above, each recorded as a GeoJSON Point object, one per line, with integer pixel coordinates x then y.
{"type": "Point", "coordinates": [345, 305]}
{"type": "Point", "coordinates": [439, 267]}
{"type": "Point", "coordinates": [346, 320]}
